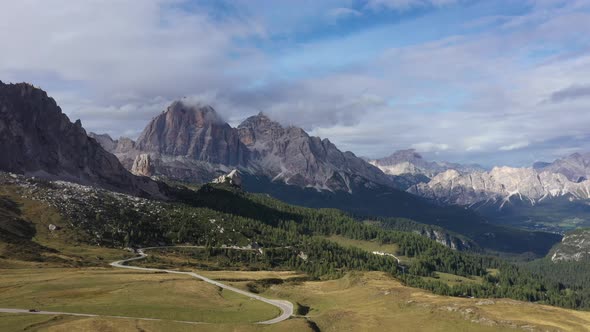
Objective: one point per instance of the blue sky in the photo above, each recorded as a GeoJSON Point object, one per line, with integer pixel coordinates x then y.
{"type": "Point", "coordinates": [492, 82]}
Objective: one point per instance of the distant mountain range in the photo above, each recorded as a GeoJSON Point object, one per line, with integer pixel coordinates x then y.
{"type": "Point", "coordinates": [501, 185]}
{"type": "Point", "coordinates": [468, 185]}
{"type": "Point", "coordinates": [547, 196]}
{"type": "Point", "coordinates": [409, 161]}
{"type": "Point", "coordinates": [407, 168]}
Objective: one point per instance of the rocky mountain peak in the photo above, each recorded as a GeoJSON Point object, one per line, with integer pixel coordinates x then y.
{"type": "Point", "coordinates": [576, 167]}
{"type": "Point", "coordinates": [195, 132]}
{"type": "Point", "coordinates": [408, 155]}
{"type": "Point", "coordinates": [290, 155]}
{"type": "Point", "coordinates": [259, 128]}
{"type": "Point", "coordinates": [36, 138]}
{"type": "Point", "coordinates": [199, 115]}
{"type": "Point", "coordinates": [105, 140]}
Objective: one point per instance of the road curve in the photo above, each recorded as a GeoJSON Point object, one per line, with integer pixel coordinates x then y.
{"type": "Point", "coordinates": [286, 307]}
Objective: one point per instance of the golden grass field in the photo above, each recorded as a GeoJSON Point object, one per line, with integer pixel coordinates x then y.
{"type": "Point", "coordinates": [373, 301]}
{"type": "Point", "coordinates": [368, 301]}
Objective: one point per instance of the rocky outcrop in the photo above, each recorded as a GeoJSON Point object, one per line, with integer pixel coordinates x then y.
{"type": "Point", "coordinates": [232, 178]}
{"type": "Point", "coordinates": [143, 165]}
{"type": "Point", "coordinates": [446, 239]}
{"type": "Point", "coordinates": [500, 185]}
{"type": "Point", "coordinates": [37, 139]}
{"type": "Point", "coordinates": [290, 155]}
{"type": "Point", "coordinates": [575, 246]}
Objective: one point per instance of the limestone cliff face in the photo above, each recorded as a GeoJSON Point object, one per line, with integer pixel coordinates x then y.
{"type": "Point", "coordinates": [36, 138]}
{"type": "Point", "coordinates": [193, 132]}
{"type": "Point", "coordinates": [290, 155]}
{"type": "Point", "coordinates": [185, 143]}
{"type": "Point", "coordinates": [446, 239]}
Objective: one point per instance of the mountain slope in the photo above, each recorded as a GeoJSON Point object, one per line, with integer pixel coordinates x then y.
{"type": "Point", "coordinates": [37, 139]}
{"type": "Point", "coordinates": [389, 202]}
{"type": "Point", "coordinates": [123, 148]}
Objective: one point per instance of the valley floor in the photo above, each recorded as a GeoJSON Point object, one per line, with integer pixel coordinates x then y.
{"type": "Point", "coordinates": [358, 302]}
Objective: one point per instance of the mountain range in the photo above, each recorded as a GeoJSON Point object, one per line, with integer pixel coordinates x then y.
{"type": "Point", "coordinates": [550, 196]}
{"type": "Point", "coordinates": [191, 143]}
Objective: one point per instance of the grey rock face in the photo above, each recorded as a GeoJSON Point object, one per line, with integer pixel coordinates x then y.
{"type": "Point", "coordinates": [575, 167]}
{"type": "Point", "coordinates": [445, 239]}
{"type": "Point", "coordinates": [123, 148]}
{"type": "Point", "coordinates": [575, 246]}
{"type": "Point", "coordinates": [105, 141]}
{"type": "Point", "coordinates": [36, 138]}
{"type": "Point", "coordinates": [290, 155]}
{"type": "Point", "coordinates": [143, 165]}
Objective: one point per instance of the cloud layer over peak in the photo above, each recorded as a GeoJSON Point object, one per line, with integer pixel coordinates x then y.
{"type": "Point", "coordinates": [500, 82]}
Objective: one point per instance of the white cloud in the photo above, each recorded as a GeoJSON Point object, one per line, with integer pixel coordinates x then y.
{"type": "Point", "coordinates": [342, 12]}
{"type": "Point", "coordinates": [117, 63]}
{"type": "Point", "coordinates": [430, 147]}
{"type": "Point", "coordinates": [402, 5]}
{"type": "Point", "coordinates": [514, 146]}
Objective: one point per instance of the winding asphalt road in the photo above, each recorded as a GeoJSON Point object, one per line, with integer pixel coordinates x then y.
{"type": "Point", "coordinates": [286, 307]}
